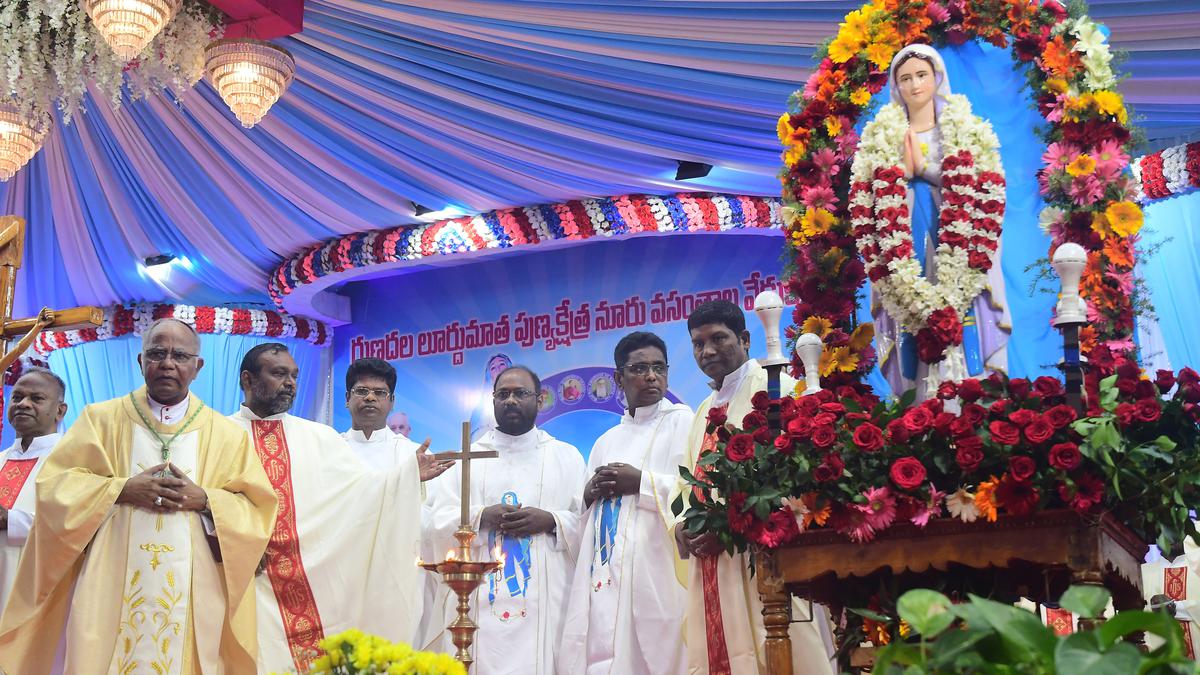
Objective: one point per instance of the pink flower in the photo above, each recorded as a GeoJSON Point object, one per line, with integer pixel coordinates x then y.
{"type": "Point", "coordinates": [1124, 281]}
{"type": "Point", "coordinates": [880, 509]}
{"type": "Point", "coordinates": [847, 142]}
{"type": "Point", "coordinates": [852, 522]}
{"type": "Point", "coordinates": [1055, 113]}
{"type": "Point", "coordinates": [930, 508]}
{"type": "Point", "coordinates": [1060, 154]}
{"type": "Point", "coordinates": [1086, 190]}
{"type": "Point", "coordinates": [819, 197]}
{"type": "Point", "coordinates": [1118, 346]}
{"type": "Point", "coordinates": [937, 12]}
{"type": "Point", "coordinates": [1109, 157]}
{"type": "Point", "coordinates": [810, 86]}
{"type": "Point", "coordinates": [827, 161]}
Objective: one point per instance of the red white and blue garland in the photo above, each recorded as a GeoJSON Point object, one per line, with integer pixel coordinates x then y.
{"type": "Point", "coordinates": [123, 320]}
{"type": "Point", "coordinates": [1169, 172]}
{"type": "Point", "coordinates": [505, 228]}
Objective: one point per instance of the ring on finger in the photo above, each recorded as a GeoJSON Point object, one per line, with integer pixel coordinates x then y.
{"type": "Point", "coordinates": [158, 501]}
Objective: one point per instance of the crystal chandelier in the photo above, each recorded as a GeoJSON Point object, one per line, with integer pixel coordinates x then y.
{"type": "Point", "coordinates": [129, 25]}
{"type": "Point", "coordinates": [19, 141]}
{"type": "Point", "coordinates": [250, 75]}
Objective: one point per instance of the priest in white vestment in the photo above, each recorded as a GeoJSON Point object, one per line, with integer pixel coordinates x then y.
{"type": "Point", "coordinates": [345, 542]}
{"type": "Point", "coordinates": [626, 608]}
{"type": "Point", "coordinates": [525, 503]}
{"type": "Point", "coordinates": [35, 409]}
{"type": "Point", "coordinates": [725, 633]}
{"type": "Point", "coordinates": [152, 516]}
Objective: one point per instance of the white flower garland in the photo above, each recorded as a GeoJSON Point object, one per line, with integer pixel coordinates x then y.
{"type": "Point", "coordinates": [882, 227]}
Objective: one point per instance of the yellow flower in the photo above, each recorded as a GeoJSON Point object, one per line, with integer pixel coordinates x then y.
{"type": "Point", "coordinates": [1101, 226]}
{"type": "Point", "coordinates": [817, 221]}
{"type": "Point", "coordinates": [880, 54]}
{"type": "Point", "coordinates": [1075, 108]}
{"type": "Point", "coordinates": [817, 324]}
{"type": "Point", "coordinates": [834, 126]}
{"type": "Point", "coordinates": [783, 128]}
{"type": "Point", "coordinates": [1082, 166]}
{"type": "Point", "coordinates": [826, 365]}
{"type": "Point", "coordinates": [833, 260]}
{"type": "Point", "coordinates": [793, 154]}
{"type": "Point", "coordinates": [854, 28]}
{"type": "Point", "coordinates": [842, 50]}
{"type": "Point", "coordinates": [860, 96]}
{"type": "Point", "coordinates": [1111, 103]}
{"type": "Point", "coordinates": [1124, 217]}
{"type": "Point", "coordinates": [844, 360]}
{"type": "Point", "coordinates": [1057, 85]}
{"type": "Point", "coordinates": [861, 338]}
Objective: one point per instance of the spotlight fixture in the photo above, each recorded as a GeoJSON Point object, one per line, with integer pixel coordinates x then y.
{"type": "Point", "coordinates": [688, 170]}
{"type": "Point", "coordinates": [419, 210]}
{"type": "Point", "coordinates": [160, 259]}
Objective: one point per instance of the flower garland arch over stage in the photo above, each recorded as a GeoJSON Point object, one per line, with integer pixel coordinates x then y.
{"type": "Point", "coordinates": [1087, 191]}
{"type": "Point", "coordinates": [574, 220]}
{"type": "Point", "coordinates": [122, 320]}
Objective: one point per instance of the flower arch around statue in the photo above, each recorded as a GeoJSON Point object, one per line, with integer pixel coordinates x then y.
{"type": "Point", "coordinates": [1088, 196]}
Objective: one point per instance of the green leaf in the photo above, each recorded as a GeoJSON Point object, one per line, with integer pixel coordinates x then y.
{"type": "Point", "coordinates": [1128, 622]}
{"type": "Point", "coordinates": [1154, 452]}
{"type": "Point", "coordinates": [1086, 601]}
{"type": "Point", "coordinates": [874, 616]}
{"type": "Point", "coordinates": [907, 398]}
{"type": "Point", "coordinates": [950, 646]}
{"type": "Point", "coordinates": [1165, 444]}
{"type": "Point", "coordinates": [928, 612]}
{"type": "Point", "coordinates": [1080, 654]}
{"type": "Point", "coordinates": [710, 458]}
{"type": "Point", "coordinates": [1016, 626]}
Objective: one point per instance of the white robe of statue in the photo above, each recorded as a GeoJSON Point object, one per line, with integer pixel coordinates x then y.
{"type": "Point", "coordinates": [626, 609]}
{"type": "Point", "coordinates": [358, 531]}
{"type": "Point", "coordinates": [520, 609]}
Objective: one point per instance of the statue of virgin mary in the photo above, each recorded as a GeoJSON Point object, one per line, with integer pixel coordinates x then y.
{"type": "Point", "coordinates": [920, 88]}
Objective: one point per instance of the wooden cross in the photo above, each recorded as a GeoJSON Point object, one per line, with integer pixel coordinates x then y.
{"type": "Point", "coordinates": [465, 457]}
{"type": "Point", "coordinates": [12, 250]}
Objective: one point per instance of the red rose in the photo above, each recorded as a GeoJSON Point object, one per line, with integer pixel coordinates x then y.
{"type": "Point", "coordinates": [970, 390]}
{"type": "Point", "coordinates": [800, 427]}
{"type": "Point", "coordinates": [946, 326]}
{"type": "Point", "coordinates": [974, 413]}
{"type": "Point", "coordinates": [762, 435]}
{"type": "Point", "coordinates": [785, 444]}
{"type": "Point", "coordinates": [716, 417]}
{"type": "Point", "coordinates": [868, 437]}
{"type": "Point", "coordinates": [1125, 413]}
{"type": "Point", "coordinates": [969, 453]}
{"type": "Point", "coordinates": [1145, 389]}
{"type": "Point", "coordinates": [1039, 431]}
{"type": "Point", "coordinates": [908, 473]}
{"type": "Point", "coordinates": [834, 408]}
{"type": "Point", "coordinates": [1060, 416]}
{"type": "Point", "coordinates": [1022, 417]}
{"type": "Point", "coordinates": [896, 431]}
{"type": "Point", "coordinates": [1018, 387]}
{"type": "Point", "coordinates": [855, 418]}
{"type": "Point", "coordinates": [823, 419]}
{"type": "Point", "coordinates": [943, 421]}
{"type": "Point", "coordinates": [1065, 456]}
{"type": "Point", "coordinates": [998, 408]}
{"type": "Point", "coordinates": [961, 427]}
{"type": "Point", "coordinates": [947, 390]}
{"type": "Point", "coordinates": [1021, 467]}
{"type": "Point", "coordinates": [917, 420]}
{"type": "Point", "coordinates": [740, 448]}
{"type": "Point", "coordinates": [1004, 432]}
{"type": "Point", "coordinates": [1047, 386]}
{"type": "Point", "coordinates": [1188, 376]}
{"type": "Point", "coordinates": [830, 469]}
{"type": "Point", "coordinates": [760, 400]}
{"type": "Point", "coordinates": [1147, 410]}
{"type": "Point", "coordinates": [930, 348]}
{"type": "Point", "coordinates": [824, 436]}
{"type": "Point", "coordinates": [753, 420]}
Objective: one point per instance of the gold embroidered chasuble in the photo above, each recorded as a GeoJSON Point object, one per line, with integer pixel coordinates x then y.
{"type": "Point", "coordinates": [130, 589]}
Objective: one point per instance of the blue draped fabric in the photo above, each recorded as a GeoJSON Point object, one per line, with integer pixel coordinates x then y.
{"type": "Point", "coordinates": [98, 371]}
{"type": "Point", "coordinates": [997, 93]}
{"type": "Point", "coordinates": [1172, 275]}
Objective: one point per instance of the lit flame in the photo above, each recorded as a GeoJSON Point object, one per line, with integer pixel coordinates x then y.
{"type": "Point", "coordinates": [419, 561]}
{"type": "Point", "coordinates": [451, 555]}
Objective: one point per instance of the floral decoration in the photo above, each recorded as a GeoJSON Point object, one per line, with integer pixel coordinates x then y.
{"type": "Point", "coordinates": [1173, 171]}
{"type": "Point", "coordinates": [968, 231]}
{"type": "Point", "coordinates": [577, 220]}
{"type": "Point", "coordinates": [134, 319]}
{"type": "Point", "coordinates": [1069, 70]}
{"type": "Point", "coordinates": [353, 652]}
{"type": "Point", "coordinates": [846, 461]}
{"type": "Point", "coordinates": [52, 52]}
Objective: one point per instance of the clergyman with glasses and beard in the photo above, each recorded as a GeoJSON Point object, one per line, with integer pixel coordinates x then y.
{"type": "Point", "coordinates": [526, 502]}
{"type": "Point", "coordinates": [341, 555]}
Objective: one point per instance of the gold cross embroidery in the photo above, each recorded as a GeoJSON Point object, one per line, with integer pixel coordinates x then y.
{"type": "Point", "coordinates": [154, 550]}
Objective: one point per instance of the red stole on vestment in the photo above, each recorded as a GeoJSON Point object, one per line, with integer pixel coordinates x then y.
{"type": "Point", "coordinates": [714, 624]}
{"type": "Point", "coordinates": [285, 569]}
{"type": "Point", "coordinates": [12, 479]}
{"type": "Point", "coordinates": [1175, 588]}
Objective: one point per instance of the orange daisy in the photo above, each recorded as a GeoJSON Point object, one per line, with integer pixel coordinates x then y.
{"type": "Point", "coordinates": [985, 498]}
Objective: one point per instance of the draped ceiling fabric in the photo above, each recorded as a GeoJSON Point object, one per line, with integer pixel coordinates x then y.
{"type": "Point", "coordinates": [475, 105]}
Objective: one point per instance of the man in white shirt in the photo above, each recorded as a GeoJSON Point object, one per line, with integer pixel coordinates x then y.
{"type": "Point", "coordinates": [725, 630]}
{"type": "Point", "coordinates": [370, 392]}
{"type": "Point", "coordinates": [626, 607]}
{"type": "Point", "coordinates": [35, 409]}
